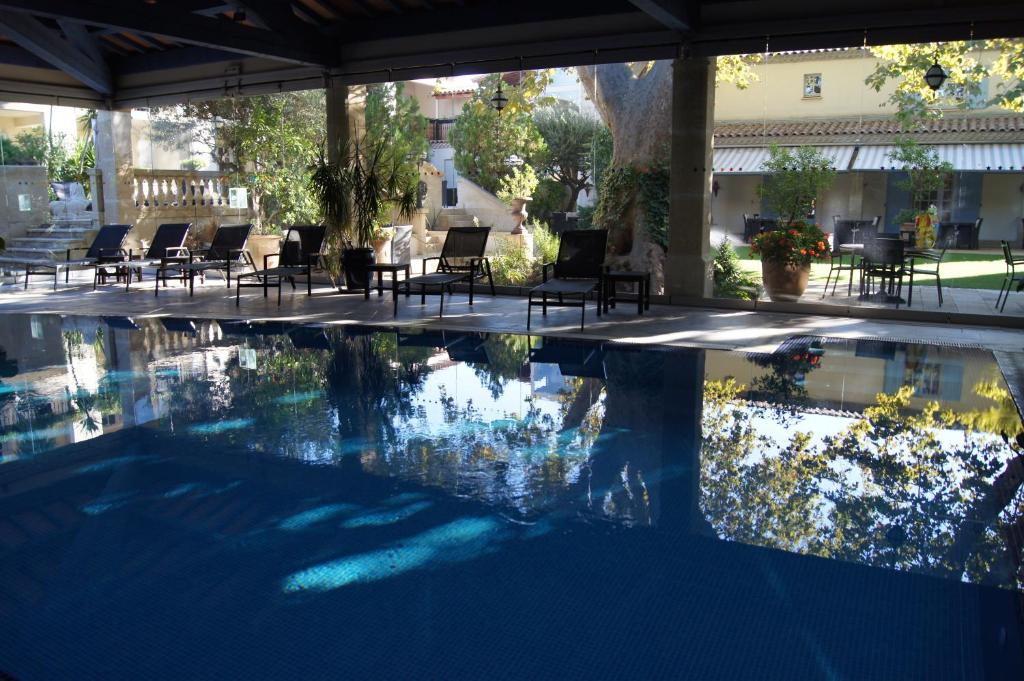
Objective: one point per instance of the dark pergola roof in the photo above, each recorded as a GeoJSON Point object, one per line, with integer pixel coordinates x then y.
{"type": "Point", "coordinates": [140, 52]}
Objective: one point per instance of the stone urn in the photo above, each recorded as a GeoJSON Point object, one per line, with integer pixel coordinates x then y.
{"type": "Point", "coordinates": [260, 245]}
{"type": "Point", "coordinates": [379, 246]}
{"type": "Point", "coordinates": [784, 282]}
{"type": "Point", "coordinates": [519, 214]}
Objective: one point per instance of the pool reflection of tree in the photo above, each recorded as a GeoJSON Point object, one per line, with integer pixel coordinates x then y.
{"type": "Point", "coordinates": [932, 492]}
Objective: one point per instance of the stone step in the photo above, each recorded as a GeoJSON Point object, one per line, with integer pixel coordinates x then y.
{"type": "Point", "coordinates": [64, 232]}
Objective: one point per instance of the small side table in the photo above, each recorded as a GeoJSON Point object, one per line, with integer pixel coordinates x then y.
{"type": "Point", "coordinates": [380, 269]}
{"type": "Point", "coordinates": [643, 289]}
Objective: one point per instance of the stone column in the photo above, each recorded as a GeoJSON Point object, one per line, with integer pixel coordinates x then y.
{"type": "Point", "coordinates": [688, 264]}
{"type": "Point", "coordinates": [116, 166]}
{"type": "Point", "coordinates": [346, 116]}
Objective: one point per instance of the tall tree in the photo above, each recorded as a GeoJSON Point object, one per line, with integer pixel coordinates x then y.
{"type": "Point", "coordinates": [268, 142]}
{"type": "Point", "coordinates": [488, 144]}
{"type": "Point", "coordinates": [969, 64]}
{"type": "Point", "coordinates": [635, 101]}
{"type": "Point", "coordinates": [571, 138]}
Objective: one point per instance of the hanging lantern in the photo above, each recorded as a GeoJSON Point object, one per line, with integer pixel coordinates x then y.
{"type": "Point", "coordinates": [499, 101]}
{"type": "Point", "coordinates": [935, 76]}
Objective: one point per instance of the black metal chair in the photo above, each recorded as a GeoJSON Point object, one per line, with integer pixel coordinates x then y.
{"type": "Point", "coordinates": [168, 243]}
{"type": "Point", "coordinates": [883, 260]}
{"type": "Point", "coordinates": [301, 253]}
{"type": "Point", "coordinates": [1011, 277]}
{"type": "Point", "coordinates": [106, 247]}
{"type": "Point", "coordinates": [227, 249]}
{"type": "Point", "coordinates": [930, 263]}
{"type": "Point", "coordinates": [576, 272]}
{"type": "Point", "coordinates": [462, 260]}
{"type": "Point", "coordinates": [846, 232]}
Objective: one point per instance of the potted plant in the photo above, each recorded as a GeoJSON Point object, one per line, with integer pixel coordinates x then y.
{"type": "Point", "coordinates": [356, 193]}
{"type": "Point", "coordinates": [926, 174]}
{"type": "Point", "coordinates": [795, 178]}
{"type": "Point", "coordinates": [786, 256]}
{"type": "Point", "coordinates": [382, 235]}
{"type": "Point", "coordinates": [516, 190]}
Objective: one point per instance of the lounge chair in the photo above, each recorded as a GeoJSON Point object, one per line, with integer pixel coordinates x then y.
{"type": "Point", "coordinates": [227, 248]}
{"type": "Point", "coordinates": [575, 272]}
{"type": "Point", "coordinates": [168, 245]}
{"type": "Point", "coordinates": [300, 254]}
{"type": "Point", "coordinates": [461, 260]}
{"type": "Point", "coordinates": [106, 247]}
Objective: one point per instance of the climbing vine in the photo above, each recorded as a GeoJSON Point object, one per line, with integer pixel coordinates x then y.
{"type": "Point", "coordinates": [622, 187]}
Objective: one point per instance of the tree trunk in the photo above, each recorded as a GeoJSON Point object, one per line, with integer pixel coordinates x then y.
{"type": "Point", "coordinates": [638, 111]}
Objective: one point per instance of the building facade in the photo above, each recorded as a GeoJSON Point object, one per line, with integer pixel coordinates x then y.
{"type": "Point", "coordinates": [820, 98]}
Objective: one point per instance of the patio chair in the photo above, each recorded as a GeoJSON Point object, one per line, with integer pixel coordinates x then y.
{"type": "Point", "coordinates": [300, 254]}
{"type": "Point", "coordinates": [168, 244]}
{"type": "Point", "coordinates": [107, 247]}
{"type": "Point", "coordinates": [227, 248]}
{"type": "Point", "coordinates": [576, 272]}
{"type": "Point", "coordinates": [1011, 278]}
{"type": "Point", "coordinates": [461, 260]}
{"type": "Point", "coordinates": [884, 261]}
{"type": "Point", "coordinates": [930, 263]}
{"type": "Point", "coordinates": [844, 232]}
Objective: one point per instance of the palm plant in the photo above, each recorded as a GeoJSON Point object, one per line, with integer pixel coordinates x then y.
{"type": "Point", "coordinates": [361, 189]}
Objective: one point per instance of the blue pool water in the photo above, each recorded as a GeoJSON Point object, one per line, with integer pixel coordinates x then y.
{"type": "Point", "coordinates": [200, 499]}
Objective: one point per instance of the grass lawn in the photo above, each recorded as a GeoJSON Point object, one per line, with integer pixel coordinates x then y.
{"type": "Point", "coordinates": [959, 270]}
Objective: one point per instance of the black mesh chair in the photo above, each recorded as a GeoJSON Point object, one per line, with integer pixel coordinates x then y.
{"type": "Point", "coordinates": [926, 263]}
{"type": "Point", "coordinates": [461, 260]}
{"type": "Point", "coordinates": [845, 233]}
{"type": "Point", "coordinates": [1011, 278]}
{"type": "Point", "coordinates": [576, 272]}
{"type": "Point", "coordinates": [883, 261]}
{"type": "Point", "coordinates": [227, 249]}
{"type": "Point", "coordinates": [106, 247]}
{"type": "Point", "coordinates": [301, 253]}
{"type": "Point", "coordinates": [168, 243]}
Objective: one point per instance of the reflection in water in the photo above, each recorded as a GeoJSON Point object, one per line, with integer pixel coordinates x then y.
{"type": "Point", "coordinates": [878, 453]}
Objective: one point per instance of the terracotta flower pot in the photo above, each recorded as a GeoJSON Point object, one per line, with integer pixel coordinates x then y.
{"type": "Point", "coordinates": [784, 282]}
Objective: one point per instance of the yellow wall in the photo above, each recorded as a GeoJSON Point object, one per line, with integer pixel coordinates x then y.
{"type": "Point", "coordinates": [778, 94]}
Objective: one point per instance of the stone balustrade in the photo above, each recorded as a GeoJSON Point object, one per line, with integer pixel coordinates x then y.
{"type": "Point", "coordinates": [182, 189]}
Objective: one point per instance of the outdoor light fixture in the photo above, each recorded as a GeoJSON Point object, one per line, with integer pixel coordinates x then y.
{"type": "Point", "coordinates": [935, 76]}
{"type": "Point", "coordinates": [499, 100]}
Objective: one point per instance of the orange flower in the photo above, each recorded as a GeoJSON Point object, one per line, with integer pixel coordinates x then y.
{"type": "Point", "coordinates": [803, 251]}
{"type": "Point", "coordinates": [793, 231]}
{"type": "Point", "coordinates": [821, 245]}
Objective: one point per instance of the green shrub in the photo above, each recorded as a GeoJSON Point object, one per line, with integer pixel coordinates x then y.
{"type": "Point", "coordinates": [512, 266]}
{"type": "Point", "coordinates": [545, 244]}
{"type": "Point", "coordinates": [585, 215]}
{"type": "Point", "coordinates": [548, 197]}
{"type": "Point", "coordinates": [731, 281]}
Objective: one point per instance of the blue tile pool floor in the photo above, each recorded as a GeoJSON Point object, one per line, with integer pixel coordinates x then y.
{"type": "Point", "coordinates": [203, 500]}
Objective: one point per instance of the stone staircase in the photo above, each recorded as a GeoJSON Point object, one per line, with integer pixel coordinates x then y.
{"type": "Point", "coordinates": [453, 217]}
{"type": "Point", "coordinates": [51, 241]}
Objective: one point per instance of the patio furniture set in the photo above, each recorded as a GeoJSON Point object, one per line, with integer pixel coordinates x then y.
{"type": "Point", "coordinates": [857, 247]}
{"type": "Point", "coordinates": [577, 274]}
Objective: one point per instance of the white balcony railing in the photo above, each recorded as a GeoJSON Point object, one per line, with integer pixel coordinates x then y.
{"type": "Point", "coordinates": [185, 190]}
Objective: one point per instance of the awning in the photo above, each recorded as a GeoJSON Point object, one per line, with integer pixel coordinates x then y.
{"type": "Point", "coordinates": [748, 160]}
{"type": "Point", "coordinates": [1008, 157]}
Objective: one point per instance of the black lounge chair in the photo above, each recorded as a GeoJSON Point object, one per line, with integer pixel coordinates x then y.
{"type": "Point", "coordinates": [300, 254]}
{"type": "Point", "coordinates": [462, 259]}
{"type": "Point", "coordinates": [168, 246]}
{"type": "Point", "coordinates": [106, 247]}
{"type": "Point", "coordinates": [227, 248]}
{"type": "Point", "coordinates": [576, 272]}
{"type": "Point", "coordinates": [574, 358]}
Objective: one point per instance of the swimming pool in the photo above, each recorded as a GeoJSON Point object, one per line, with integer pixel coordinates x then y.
{"type": "Point", "coordinates": [204, 499]}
